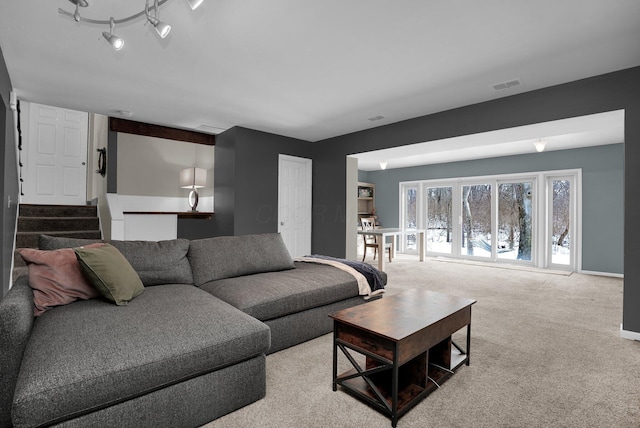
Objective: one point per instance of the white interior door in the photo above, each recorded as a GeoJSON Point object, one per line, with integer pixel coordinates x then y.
{"type": "Point", "coordinates": [56, 164]}
{"type": "Point", "coordinates": [294, 204]}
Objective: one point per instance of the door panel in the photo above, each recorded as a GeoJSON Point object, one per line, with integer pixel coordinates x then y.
{"type": "Point", "coordinates": [56, 171]}
{"type": "Point", "coordinates": [294, 204]}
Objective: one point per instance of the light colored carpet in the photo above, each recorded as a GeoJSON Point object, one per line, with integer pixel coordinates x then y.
{"type": "Point", "coordinates": [545, 352]}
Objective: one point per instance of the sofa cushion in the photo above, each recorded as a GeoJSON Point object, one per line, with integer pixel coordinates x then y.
{"type": "Point", "coordinates": [162, 262]}
{"type": "Point", "coordinates": [48, 242]}
{"type": "Point", "coordinates": [231, 256]}
{"type": "Point", "coordinates": [56, 278]}
{"type": "Point", "coordinates": [91, 354]}
{"type": "Point", "coordinates": [274, 294]}
{"type": "Point", "coordinates": [110, 273]}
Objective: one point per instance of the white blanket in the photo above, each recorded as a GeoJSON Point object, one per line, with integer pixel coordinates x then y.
{"type": "Point", "coordinates": [363, 285]}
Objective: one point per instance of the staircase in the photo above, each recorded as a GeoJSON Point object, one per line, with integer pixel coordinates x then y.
{"type": "Point", "coordinates": [73, 221]}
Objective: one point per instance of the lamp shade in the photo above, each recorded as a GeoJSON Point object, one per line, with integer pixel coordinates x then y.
{"type": "Point", "coordinates": [193, 178]}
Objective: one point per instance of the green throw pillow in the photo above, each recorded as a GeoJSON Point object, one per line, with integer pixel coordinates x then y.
{"type": "Point", "coordinates": [110, 273]}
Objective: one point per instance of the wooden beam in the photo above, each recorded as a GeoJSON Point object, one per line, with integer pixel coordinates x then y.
{"type": "Point", "coordinates": [158, 131]}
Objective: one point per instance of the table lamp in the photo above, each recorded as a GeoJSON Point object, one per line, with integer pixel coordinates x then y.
{"type": "Point", "coordinates": [193, 178]}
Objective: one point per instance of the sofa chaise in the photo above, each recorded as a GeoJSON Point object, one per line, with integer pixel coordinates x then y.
{"type": "Point", "coordinates": [190, 347]}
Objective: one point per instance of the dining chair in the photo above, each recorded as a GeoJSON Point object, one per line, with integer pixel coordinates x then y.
{"type": "Point", "coordinates": [371, 241]}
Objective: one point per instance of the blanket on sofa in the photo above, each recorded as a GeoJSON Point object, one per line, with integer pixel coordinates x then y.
{"type": "Point", "coordinates": [370, 282]}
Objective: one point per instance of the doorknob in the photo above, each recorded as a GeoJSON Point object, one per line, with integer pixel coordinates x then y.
{"type": "Point", "coordinates": [282, 223]}
{"type": "Point", "coordinates": [84, 163]}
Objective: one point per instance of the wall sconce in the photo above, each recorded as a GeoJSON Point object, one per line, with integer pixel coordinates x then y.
{"type": "Point", "coordinates": [540, 144]}
{"type": "Point", "coordinates": [383, 164]}
{"type": "Point", "coordinates": [193, 178]}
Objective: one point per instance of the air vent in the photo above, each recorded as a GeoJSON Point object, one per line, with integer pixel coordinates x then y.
{"type": "Point", "coordinates": [507, 85]}
{"type": "Point", "coordinates": [373, 119]}
{"type": "Point", "coordinates": [210, 129]}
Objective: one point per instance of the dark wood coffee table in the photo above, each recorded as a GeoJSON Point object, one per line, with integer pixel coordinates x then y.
{"type": "Point", "coordinates": [406, 339]}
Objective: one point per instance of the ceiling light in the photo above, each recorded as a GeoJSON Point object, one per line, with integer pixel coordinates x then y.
{"type": "Point", "coordinates": [161, 28]}
{"type": "Point", "coordinates": [194, 4]}
{"type": "Point", "coordinates": [540, 144]}
{"type": "Point", "coordinates": [116, 42]}
{"type": "Point", "coordinates": [383, 164]}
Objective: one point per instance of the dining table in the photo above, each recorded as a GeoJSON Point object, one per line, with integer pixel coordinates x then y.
{"type": "Point", "coordinates": [382, 233]}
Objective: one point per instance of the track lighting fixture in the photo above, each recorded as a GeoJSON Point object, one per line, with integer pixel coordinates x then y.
{"type": "Point", "coordinates": [116, 42]}
{"type": "Point", "coordinates": [152, 14]}
{"type": "Point", "coordinates": [161, 28]}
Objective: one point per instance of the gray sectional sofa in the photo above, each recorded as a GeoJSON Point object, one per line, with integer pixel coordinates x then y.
{"type": "Point", "coordinates": [189, 349]}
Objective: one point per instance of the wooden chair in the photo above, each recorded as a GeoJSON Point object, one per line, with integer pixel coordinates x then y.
{"type": "Point", "coordinates": [371, 241]}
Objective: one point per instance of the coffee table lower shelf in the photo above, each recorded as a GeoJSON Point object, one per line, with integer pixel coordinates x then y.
{"type": "Point", "coordinates": [410, 393]}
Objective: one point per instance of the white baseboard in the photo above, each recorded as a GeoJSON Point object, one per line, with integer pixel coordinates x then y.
{"type": "Point", "coordinates": [613, 275]}
{"type": "Point", "coordinates": [631, 335]}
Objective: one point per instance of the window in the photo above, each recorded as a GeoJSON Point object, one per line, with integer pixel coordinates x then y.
{"type": "Point", "coordinates": [476, 220]}
{"type": "Point", "coordinates": [515, 215]}
{"type": "Point", "coordinates": [561, 222]}
{"type": "Point", "coordinates": [504, 218]}
{"type": "Point", "coordinates": [410, 218]}
{"type": "Point", "coordinates": [439, 219]}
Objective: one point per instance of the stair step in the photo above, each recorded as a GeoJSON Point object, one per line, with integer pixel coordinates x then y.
{"type": "Point", "coordinates": [30, 239]}
{"type": "Point", "coordinates": [57, 224]}
{"type": "Point", "coordinates": [30, 210]}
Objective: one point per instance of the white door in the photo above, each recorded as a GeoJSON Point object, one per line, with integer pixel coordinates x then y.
{"type": "Point", "coordinates": [294, 204]}
{"type": "Point", "coordinates": [56, 164]}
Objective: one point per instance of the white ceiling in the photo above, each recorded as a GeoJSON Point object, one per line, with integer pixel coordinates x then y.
{"type": "Point", "coordinates": [306, 68]}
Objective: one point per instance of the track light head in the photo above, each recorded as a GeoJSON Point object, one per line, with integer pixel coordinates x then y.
{"type": "Point", "coordinates": [194, 4]}
{"type": "Point", "coordinates": [116, 42]}
{"type": "Point", "coordinates": [162, 29]}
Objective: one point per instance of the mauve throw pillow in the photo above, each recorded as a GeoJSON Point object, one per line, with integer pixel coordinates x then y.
{"type": "Point", "coordinates": [56, 278]}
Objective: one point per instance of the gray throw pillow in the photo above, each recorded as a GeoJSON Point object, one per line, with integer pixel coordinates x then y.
{"type": "Point", "coordinates": [157, 263]}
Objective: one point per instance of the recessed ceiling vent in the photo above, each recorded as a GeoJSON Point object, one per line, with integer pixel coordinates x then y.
{"type": "Point", "coordinates": [507, 85]}
{"type": "Point", "coordinates": [376, 118]}
{"type": "Point", "coordinates": [210, 129]}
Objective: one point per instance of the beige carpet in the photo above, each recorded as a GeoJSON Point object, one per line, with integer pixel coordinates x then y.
{"type": "Point", "coordinates": [546, 352]}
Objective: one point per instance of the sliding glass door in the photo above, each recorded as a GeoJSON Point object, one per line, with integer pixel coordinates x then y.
{"type": "Point", "coordinates": [502, 218]}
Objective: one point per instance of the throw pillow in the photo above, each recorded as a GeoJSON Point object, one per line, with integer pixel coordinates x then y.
{"type": "Point", "coordinates": [110, 272]}
{"type": "Point", "coordinates": [56, 278]}
{"type": "Point", "coordinates": [157, 263]}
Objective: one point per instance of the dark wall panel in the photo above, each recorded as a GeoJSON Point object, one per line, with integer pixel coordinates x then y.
{"type": "Point", "coordinates": [8, 177]}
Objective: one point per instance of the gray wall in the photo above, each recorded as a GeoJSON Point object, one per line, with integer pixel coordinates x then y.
{"type": "Point", "coordinates": [246, 181]}
{"type": "Point", "coordinates": [8, 178]}
{"type": "Point", "coordinates": [602, 193]}
{"type": "Point", "coordinates": [613, 91]}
